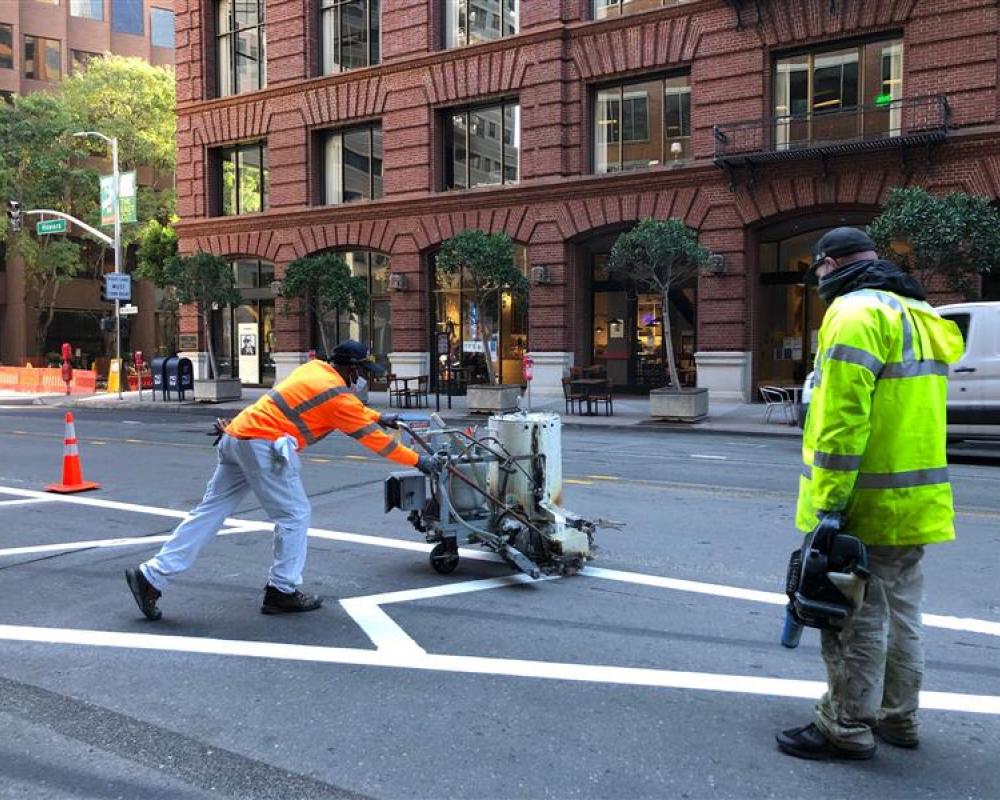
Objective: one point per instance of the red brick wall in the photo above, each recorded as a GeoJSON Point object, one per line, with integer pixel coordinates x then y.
{"type": "Point", "coordinates": [950, 47]}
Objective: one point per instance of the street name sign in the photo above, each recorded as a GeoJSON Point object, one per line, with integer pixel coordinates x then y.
{"type": "Point", "coordinates": [118, 286]}
{"type": "Point", "coordinates": [51, 226]}
{"type": "Point", "coordinates": [128, 310]}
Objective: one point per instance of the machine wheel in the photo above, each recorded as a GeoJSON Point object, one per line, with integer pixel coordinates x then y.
{"type": "Point", "coordinates": [443, 559]}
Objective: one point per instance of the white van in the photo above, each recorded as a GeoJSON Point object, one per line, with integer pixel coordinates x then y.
{"type": "Point", "coordinates": [974, 384]}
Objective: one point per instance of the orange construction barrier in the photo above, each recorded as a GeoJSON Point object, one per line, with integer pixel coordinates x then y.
{"type": "Point", "coordinates": [37, 380]}
{"type": "Point", "coordinates": [72, 474]}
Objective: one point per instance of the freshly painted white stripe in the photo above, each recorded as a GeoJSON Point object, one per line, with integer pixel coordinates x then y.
{"type": "Point", "coordinates": [448, 589]}
{"type": "Point", "coordinates": [26, 502]}
{"type": "Point", "coordinates": [715, 589]}
{"type": "Point", "coordinates": [962, 624]}
{"type": "Point", "coordinates": [478, 665]}
{"type": "Point", "coordinates": [714, 458]}
{"type": "Point", "coordinates": [385, 634]}
{"type": "Point", "coordinates": [67, 547]}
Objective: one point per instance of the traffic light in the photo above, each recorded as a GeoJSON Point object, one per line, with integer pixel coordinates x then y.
{"type": "Point", "coordinates": [14, 215]}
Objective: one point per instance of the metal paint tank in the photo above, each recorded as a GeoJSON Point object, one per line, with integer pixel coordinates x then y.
{"type": "Point", "coordinates": [528, 434]}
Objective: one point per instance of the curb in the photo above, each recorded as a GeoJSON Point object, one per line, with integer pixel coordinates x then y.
{"type": "Point", "coordinates": [644, 426]}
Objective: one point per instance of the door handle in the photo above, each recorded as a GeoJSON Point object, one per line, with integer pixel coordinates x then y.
{"type": "Point", "coordinates": [964, 369]}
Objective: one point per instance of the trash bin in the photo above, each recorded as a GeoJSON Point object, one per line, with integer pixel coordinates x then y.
{"type": "Point", "coordinates": [178, 376]}
{"type": "Point", "coordinates": [159, 384]}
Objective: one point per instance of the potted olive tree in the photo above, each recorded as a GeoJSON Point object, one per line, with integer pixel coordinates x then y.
{"type": "Point", "coordinates": [206, 280]}
{"type": "Point", "coordinates": [489, 268]}
{"type": "Point", "coordinates": [653, 256]}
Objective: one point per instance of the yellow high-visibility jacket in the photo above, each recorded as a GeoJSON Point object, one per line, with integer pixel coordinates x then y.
{"type": "Point", "coordinates": [875, 435]}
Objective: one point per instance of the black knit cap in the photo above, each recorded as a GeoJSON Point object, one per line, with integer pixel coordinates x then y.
{"type": "Point", "coordinates": [840, 242]}
{"type": "Point", "coordinates": [351, 353]}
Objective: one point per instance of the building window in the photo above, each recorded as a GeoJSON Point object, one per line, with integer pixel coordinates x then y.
{"type": "Point", "coordinates": [838, 94]}
{"type": "Point", "coordinates": [240, 46]}
{"type": "Point", "coordinates": [42, 59]}
{"type": "Point", "coordinates": [6, 47]}
{"type": "Point", "coordinates": [350, 31]}
{"type": "Point", "coordinates": [474, 21]}
{"type": "Point", "coordinates": [7, 97]}
{"type": "Point", "coordinates": [87, 9]}
{"type": "Point", "coordinates": [80, 58]}
{"type": "Point", "coordinates": [643, 124]}
{"type": "Point", "coordinates": [476, 157]}
{"type": "Point", "coordinates": [617, 8]}
{"type": "Point", "coordinates": [126, 17]}
{"type": "Point", "coordinates": [243, 179]}
{"type": "Point", "coordinates": [352, 165]}
{"type": "Point", "coordinates": [371, 327]}
{"type": "Point", "coordinates": [244, 335]}
{"type": "Point", "coordinates": [161, 27]}
{"type": "Point", "coordinates": [458, 319]}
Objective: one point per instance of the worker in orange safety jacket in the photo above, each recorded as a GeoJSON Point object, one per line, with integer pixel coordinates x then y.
{"type": "Point", "coordinates": [258, 451]}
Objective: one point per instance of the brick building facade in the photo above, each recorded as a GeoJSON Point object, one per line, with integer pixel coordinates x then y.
{"type": "Point", "coordinates": [847, 98]}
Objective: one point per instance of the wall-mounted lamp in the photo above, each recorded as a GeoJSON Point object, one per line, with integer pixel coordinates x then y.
{"type": "Point", "coordinates": [716, 264]}
{"type": "Point", "coordinates": [540, 274]}
{"type": "Point", "coordinates": [397, 281]}
{"type": "Point", "coordinates": [276, 288]}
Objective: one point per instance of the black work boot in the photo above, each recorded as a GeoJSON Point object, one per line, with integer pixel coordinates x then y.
{"type": "Point", "coordinates": [144, 592]}
{"type": "Point", "coordinates": [278, 602]}
{"type": "Point", "coordinates": [810, 742]}
{"type": "Point", "coordinates": [895, 737]}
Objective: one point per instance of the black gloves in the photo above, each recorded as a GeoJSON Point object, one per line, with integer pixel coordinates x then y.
{"type": "Point", "coordinates": [429, 465]}
{"type": "Point", "coordinates": [389, 420]}
{"type": "Point", "coordinates": [218, 429]}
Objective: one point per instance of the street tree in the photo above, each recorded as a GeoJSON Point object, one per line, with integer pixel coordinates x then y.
{"type": "Point", "coordinates": [654, 256]}
{"type": "Point", "coordinates": [155, 257]}
{"type": "Point", "coordinates": [942, 240]}
{"type": "Point", "coordinates": [43, 166]}
{"type": "Point", "coordinates": [203, 279]}
{"type": "Point", "coordinates": [487, 265]}
{"type": "Point", "coordinates": [325, 286]}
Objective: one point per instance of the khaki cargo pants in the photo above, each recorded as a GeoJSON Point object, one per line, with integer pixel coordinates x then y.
{"type": "Point", "coordinates": [875, 665]}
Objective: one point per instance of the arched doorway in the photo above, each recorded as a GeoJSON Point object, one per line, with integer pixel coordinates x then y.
{"type": "Point", "coordinates": [244, 334]}
{"type": "Point", "coordinates": [789, 312]}
{"type": "Point", "coordinates": [624, 334]}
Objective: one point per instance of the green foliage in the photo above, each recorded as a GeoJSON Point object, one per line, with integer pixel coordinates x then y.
{"type": "Point", "coordinates": [488, 265]}
{"type": "Point", "coordinates": [205, 280]}
{"type": "Point", "coordinates": [653, 256]}
{"type": "Point", "coordinates": [953, 238]}
{"type": "Point", "coordinates": [325, 285]}
{"type": "Point", "coordinates": [656, 254]}
{"type": "Point", "coordinates": [157, 250]}
{"type": "Point", "coordinates": [43, 166]}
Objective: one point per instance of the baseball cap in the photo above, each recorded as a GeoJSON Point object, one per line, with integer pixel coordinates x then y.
{"type": "Point", "coordinates": [351, 353]}
{"type": "Point", "coordinates": [840, 242]}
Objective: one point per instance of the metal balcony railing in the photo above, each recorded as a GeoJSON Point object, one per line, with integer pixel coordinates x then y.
{"type": "Point", "coordinates": [821, 134]}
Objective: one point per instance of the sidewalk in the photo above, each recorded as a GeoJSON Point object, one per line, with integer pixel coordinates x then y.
{"type": "Point", "coordinates": [630, 412]}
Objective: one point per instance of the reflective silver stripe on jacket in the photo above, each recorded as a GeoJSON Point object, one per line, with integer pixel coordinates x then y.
{"type": "Point", "coordinates": [389, 448]}
{"type": "Point", "coordinates": [294, 413]}
{"type": "Point", "coordinates": [855, 355]}
{"type": "Point", "coordinates": [915, 369]}
{"type": "Point", "coordinates": [837, 462]}
{"type": "Point", "coordinates": [894, 480]}
{"type": "Point", "coordinates": [361, 433]}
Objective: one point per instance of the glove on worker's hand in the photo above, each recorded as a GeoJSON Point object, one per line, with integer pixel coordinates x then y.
{"type": "Point", "coordinates": [389, 421]}
{"type": "Point", "coordinates": [218, 429]}
{"type": "Point", "coordinates": [428, 465]}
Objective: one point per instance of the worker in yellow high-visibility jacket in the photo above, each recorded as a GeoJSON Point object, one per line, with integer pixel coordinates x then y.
{"type": "Point", "coordinates": [874, 450]}
{"type": "Point", "coordinates": [258, 452]}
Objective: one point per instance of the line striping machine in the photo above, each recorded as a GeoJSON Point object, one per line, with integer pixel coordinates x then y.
{"type": "Point", "coordinates": [500, 489]}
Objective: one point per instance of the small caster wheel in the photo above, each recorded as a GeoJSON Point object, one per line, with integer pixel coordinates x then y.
{"type": "Point", "coordinates": [443, 559]}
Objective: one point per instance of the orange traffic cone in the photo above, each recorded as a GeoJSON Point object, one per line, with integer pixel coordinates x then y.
{"type": "Point", "coordinates": [72, 476]}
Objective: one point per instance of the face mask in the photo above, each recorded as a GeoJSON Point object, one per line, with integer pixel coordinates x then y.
{"type": "Point", "coordinates": [359, 386]}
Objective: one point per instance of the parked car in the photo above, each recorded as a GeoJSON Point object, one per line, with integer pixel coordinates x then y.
{"type": "Point", "coordinates": [974, 384]}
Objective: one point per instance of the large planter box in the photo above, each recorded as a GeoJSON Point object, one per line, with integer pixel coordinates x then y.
{"type": "Point", "coordinates": [218, 391]}
{"type": "Point", "coordinates": [486, 399]}
{"type": "Point", "coordinates": [678, 405]}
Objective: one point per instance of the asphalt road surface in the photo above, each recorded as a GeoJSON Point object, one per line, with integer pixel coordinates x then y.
{"type": "Point", "coordinates": [656, 674]}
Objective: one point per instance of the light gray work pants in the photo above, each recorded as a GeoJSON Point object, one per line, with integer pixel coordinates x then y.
{"type": "Point", "coordinates": [271, 471]}
{"type": "Point", "coordinates": [875, 665]}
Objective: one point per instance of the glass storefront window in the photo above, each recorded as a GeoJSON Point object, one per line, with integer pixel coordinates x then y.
{"type": "Point", "coordinates": [641, 125]}
{"type": "Point", "coordinates": [832, 95]}
{"type": "Point", "coordinates": [253, 278]}
{"type": "Point", "coordinates": [459, 321]}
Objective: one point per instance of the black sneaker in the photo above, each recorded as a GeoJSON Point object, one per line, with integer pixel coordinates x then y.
{"type": "Point", "coordinates": [144, 592]}
{"type": "Point", "coordinates": [278, 602]}
{"type": "Point", "coordinates": [809, 742]}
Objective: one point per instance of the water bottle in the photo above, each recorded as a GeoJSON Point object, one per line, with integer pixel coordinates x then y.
{"type": "Point", "coordinates": [791, 632]}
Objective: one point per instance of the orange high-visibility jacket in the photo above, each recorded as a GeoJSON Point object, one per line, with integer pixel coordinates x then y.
{"type": "Point", "coordinates": [311, 403]}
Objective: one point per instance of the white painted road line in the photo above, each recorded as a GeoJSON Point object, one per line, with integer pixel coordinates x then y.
{"type": "Point", "coordinates": [26, 501]}
{"type": "Point", "coordinates": [476, 665]}
{"type": "Point", "coordinates": [92, 544]}
{"type": "Point", "coordinates": [713, 458]}
{"type": "Point", "coordinates": [382, 629]}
